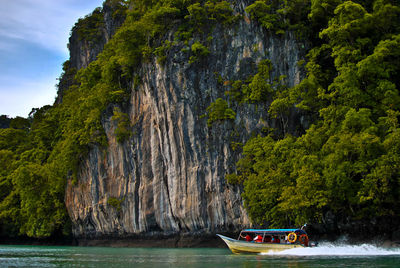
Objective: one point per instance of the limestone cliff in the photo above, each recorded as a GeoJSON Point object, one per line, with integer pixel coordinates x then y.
{"type": "Point", "coordinates": [168, 178]}
{"type": "Point", "coordinates": [85, 49]}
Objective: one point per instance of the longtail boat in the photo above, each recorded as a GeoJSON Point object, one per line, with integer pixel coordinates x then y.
{"type": "Point", "coordinates": [267, 240]}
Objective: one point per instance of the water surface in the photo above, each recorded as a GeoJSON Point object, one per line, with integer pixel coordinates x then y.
{"type": "Point", "coordinates": [327, 255]}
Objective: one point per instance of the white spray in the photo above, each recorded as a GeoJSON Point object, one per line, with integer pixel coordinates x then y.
{"type": "Point", "coordinates": [333, 249]}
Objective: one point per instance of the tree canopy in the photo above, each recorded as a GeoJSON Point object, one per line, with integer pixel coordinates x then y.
{"type": "Point", "coordinates": [347, 162]}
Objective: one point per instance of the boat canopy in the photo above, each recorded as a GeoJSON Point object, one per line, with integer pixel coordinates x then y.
{"type": "Point", "coordinates": [272, 230]}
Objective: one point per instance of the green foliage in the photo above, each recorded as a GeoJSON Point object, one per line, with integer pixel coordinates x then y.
{"type": "Point", "coordinates": [236, 91]}
{"type": "Point", "coordinates": [219, 78]}
{"type": "Point", "coordinates": [32, 190]}
{"type": "Point", "coordinates": [261, 88]}
{"type": "Point", "coordinates": [234, 179]}
{"type": "Point", "coordinates": [219, 110]}
{"type": "Point", "coordinates": [201, 17]}
{"type": "Point", "coordinates": [119, 8]}
{"type": "Point", "coordinates": [4, 121]}
{"type": "Point", "coordinates": [161, 52]}
{"type": "Point", "coordinates": [236, 145]}
{"type": "Point", "coordinates": [136, 82]}
{"type": "Point", "coordinates": [67, 78]}
{"type": "Point", "coordinates": [221, 12]}
{"type": "Point", "coordinates": [19, 123]}
{"type": "Point", "coordinates": [321, 11]}
{"type": "Point", "coordinates": [280, 107]}
{"type": "Point", "coordinates": [122, 131]}
{"type": "Point", "coordinates": [279, 16]}
{"type": "Point", "coordinates": [199, 51]}
{"type": "Point", "coordinates": [263, 12]}
{"type": "Point", "coordinates": [116, 203]}
{"type": "Point", "coordinates": [90, 27]}
{"type": "Point", "coordinates": [11, 139]}
{"type": "Point", "coordinates": [347, 161]}
{"type": "Point", "coordinates": [258, 88]}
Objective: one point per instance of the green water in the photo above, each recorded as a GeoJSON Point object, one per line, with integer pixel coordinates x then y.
{"type": "Point", "coordinates": [326, 256]}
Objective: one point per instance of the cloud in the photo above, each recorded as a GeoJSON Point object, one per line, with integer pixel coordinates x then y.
{"type": "Point", "coordinates": [33, 44]}
{"type": "Point", "coordinates": [46, 22]}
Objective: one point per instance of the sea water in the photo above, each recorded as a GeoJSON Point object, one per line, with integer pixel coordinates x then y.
{"type": "Point", "coordinates": [326, 255]}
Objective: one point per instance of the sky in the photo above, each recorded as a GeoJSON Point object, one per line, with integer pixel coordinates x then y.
{"type": "Point", "coordinates": [33, 45]}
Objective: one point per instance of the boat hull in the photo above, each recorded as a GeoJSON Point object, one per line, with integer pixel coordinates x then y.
{"type": "Point", "coordinates": [237, 246]}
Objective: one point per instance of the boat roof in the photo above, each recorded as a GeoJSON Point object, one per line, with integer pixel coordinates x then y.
{"type": "Point", "coordinates": [271, 230]}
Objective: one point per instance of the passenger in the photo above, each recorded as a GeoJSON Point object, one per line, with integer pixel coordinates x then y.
{"type": "Point", "coordinates": [245, 237]}
{"type": "Point", "coordinates": [287, 239]}
{"type": "Point", "coordinates": [258, 239]}
{"type": "Point", "coordinates": [267, 239]}
{"type": "Point", "coordinates": [248, 238]}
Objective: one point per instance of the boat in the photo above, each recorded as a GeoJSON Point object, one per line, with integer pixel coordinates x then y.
{"type": "Point", "coordinates": [267, 240]}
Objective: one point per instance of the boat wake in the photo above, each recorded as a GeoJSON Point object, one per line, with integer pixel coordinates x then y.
{"type": "Point", "coordinates": [330, 249]}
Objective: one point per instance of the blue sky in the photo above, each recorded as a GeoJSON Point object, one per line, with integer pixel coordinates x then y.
{"type": "Point", "coordinates": [33, 45]}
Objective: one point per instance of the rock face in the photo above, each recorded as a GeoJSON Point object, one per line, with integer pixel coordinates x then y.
{"type": "Point", "coordinates": [168, 178]}
{"type": "Point", "coordinates": [84, 51]}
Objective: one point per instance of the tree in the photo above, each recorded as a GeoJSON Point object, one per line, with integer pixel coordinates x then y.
{"type": "Point", "coordinates": [347, 161]}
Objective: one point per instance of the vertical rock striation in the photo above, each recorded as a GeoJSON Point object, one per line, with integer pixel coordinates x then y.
{"type": "Point", "coordinates": [169, 176]}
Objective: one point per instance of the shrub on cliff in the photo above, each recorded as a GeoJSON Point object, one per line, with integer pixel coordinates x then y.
{"type": "Point", "coordinates": [90, 27]}
{"type": "Point", "coordinates": [279, 16]}
{"type": "Point", "coordinates": [219, 110]}
{"type": "Point", "coordinates": [199, 51]}
{"type": "Point", "coordinates": [116, 203]}
{"type": "Point", "coordinates": [122, 130]}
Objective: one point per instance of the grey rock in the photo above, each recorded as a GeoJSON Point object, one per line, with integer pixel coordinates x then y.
{"type": "Point", "coordinates": [169, 176]}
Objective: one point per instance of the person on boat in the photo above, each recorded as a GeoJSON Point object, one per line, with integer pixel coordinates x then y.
{"type": "Point", "coordinates": [267, 239]}
{"type": "Point", "coordinates": [248, 238]}
{"type": "Point", "coordinates": [258, 239]}
{"type": "Point", "coordinates": [275, 240]}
